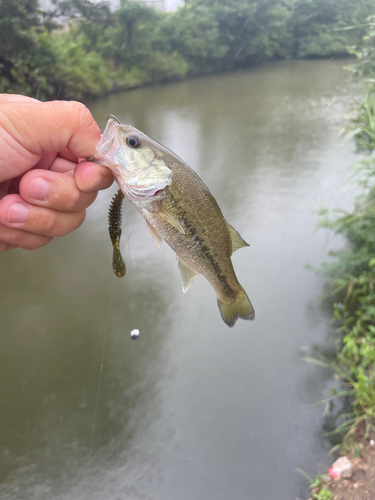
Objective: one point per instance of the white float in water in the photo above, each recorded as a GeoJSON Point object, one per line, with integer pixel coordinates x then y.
{"type": "Point", "coordinates": [134, 334]}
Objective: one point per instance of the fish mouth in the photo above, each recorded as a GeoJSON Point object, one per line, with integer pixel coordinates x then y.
{"type": "Point", "coordinates": [105, 145]}
{"type": "Point", "coordinates": [109, 135]}
{"type": "Point", "coordinates": [112, 117]}
{"type": "Point", "coordinates": [106, 142]}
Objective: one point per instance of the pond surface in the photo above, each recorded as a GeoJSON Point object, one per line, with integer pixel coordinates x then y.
{"type": "Point", "coordinates": [192, 410]}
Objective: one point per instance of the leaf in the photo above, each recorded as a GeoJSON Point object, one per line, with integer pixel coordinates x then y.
{"type": "Point", "coordinates": [304, 474]}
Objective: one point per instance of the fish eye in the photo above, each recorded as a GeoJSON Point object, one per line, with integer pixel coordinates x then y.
{"type": "Point", "coordinates": [133, 141]}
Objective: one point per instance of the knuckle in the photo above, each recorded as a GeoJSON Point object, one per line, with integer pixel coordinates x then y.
{"type": "Point", "coordinates": [68, 223]}
{"type": "Point", "coordinates": [50, 223]}
{"type": "Point", "coordinates": [35, 242]}
{"type": "Point", "coordinates": [38, 243]}
{"type": "Point", "coordinates": [14, 238]}
{"type": "Point", "coordinates": [81, 216]}
{"type": "Point", "coordinates": [81, 200]}
{"type": "Point", "coordinates": [67, 197]}
{"type": "Point", "coordinates": [24, 239]}
{"type": "Point", "coordinates": [73, 201]}
{"type": "Point", "coordinates": [79, 112]}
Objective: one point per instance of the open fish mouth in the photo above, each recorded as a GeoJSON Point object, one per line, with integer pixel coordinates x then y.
{"type": "Point", "coordinates": [112, 118]}
{"type": "Point", "coordinates": [106, 142]}
{"type": "Point", "coordinates": [109, 135]}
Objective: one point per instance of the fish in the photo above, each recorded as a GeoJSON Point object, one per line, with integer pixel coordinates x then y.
{"type": "Point", "coordinates": [179, 209]}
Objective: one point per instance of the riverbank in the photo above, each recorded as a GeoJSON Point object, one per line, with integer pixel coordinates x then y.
{"type": "Point", "coordinates": [359, 482]}
{"type": "Point", "coordinates": [352, 279]}
{"type": "Point", "coordinates": [82, 50]}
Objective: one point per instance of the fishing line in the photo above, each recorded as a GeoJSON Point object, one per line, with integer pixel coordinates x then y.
{"type": "Point", "coordinates": [101, 365]}
{"type": "Point", "coordinates": [132, 312]}
{"type": "Point", "coordinates": [131, 300]}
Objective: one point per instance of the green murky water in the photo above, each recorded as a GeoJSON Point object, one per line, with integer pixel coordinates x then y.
{"type": "Point", "coordinates": [192, 409]}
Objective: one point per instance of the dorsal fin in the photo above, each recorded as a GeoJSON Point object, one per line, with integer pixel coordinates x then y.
{"type": "Point", "coordinates": [235, 238]}
{"type": "Point", "coordinates": [187, 273]}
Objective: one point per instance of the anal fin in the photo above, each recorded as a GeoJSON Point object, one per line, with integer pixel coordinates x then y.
{"type": "Point", "coordinates": [155, 235]}
{"type": "Point", "coordinates": [187, 273]}
{"type": "Point", "coordinates": [235, 238]}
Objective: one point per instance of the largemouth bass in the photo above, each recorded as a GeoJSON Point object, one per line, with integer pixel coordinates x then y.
{"type": "Point", "coordinates": [179, 209]}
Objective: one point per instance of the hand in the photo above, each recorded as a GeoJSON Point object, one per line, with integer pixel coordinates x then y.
{"type": "Point", "coordinates": [44, 187]}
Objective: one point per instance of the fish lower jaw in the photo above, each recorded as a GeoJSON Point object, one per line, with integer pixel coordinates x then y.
{"type": "Point", "coordinates": [100, 160]}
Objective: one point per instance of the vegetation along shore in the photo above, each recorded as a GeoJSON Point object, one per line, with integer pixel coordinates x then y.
{"type": "Point", "coordinates": [78, 49]}
{"type": "Point", "coordinates": [352, 282]}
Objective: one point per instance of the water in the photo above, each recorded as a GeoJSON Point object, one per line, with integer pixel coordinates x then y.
{"type": "Point", "coordinates": [192, 409]}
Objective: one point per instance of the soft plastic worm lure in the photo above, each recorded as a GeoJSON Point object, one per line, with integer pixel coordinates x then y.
{"type": "Point", "coordinates": [115, 222]}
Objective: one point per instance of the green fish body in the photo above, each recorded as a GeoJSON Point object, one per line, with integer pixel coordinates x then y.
{"type": "Point", "coordinates": [179, 209]}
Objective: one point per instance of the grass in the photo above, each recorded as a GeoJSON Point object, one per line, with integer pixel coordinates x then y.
{"type": "Point", "coordinates": [317, 482]}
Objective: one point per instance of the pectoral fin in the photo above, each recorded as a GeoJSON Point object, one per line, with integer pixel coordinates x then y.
{"type": "Point", "coordinates": [169, 217]}
{"type": "Point", "coordinates": [187, 273]}
{"type": "Point", "coordinates": [235, 238]}
{"type": "Point", "coordinates": [155, 235]}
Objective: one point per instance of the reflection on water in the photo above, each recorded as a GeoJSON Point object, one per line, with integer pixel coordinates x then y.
{"type": "Point", "coordinates": [192, 409]}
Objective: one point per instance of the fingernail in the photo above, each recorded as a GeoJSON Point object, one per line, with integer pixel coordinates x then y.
{"type": "Point", "coordinates": [17, 213]}
{"type": "Point", "coordinates": [96, 183]}
{"type": "Point", "coordinates": [38, 189]}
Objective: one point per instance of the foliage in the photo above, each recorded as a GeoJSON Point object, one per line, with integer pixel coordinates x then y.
{"type": "Point", "coordinates": [25, 54]}
{"type": "Point", "coordinates": [364, 68]}
{"type": "Point", "coordinates": [192, 32]}
{"type": "Point", "coordinates": [322, 494]}
{"type": "Point", "coordinates": [318, 493]}
{"type": "Point", "coordinates": [245, 31]}
{"type": "Point", "coordinates": [319, 26]}
{"type": "Point", "coordinates": [15, 20]}
{"type": "Point", "coordinates": [97, 13]}
{"type": "Point", "coordinates": [352, 275]}
{"type": "Point", "coordinates": [79, 72]}
{"type": "Point", "coordinates": [254, 30]}
{"type": "Point", "coordinates": [363, 125]}
{"type": "Point", "coordinates": [102, 50]}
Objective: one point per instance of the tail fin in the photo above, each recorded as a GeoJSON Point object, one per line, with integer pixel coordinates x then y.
{"type": "Point", "coordinates": [233, 308]}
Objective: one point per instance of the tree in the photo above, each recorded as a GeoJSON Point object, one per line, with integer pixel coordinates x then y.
{"type": "Point", "coordinates": [192, 32]}
{"type": "Point", "coordinates": [318, 26]}
{"type": "Point", "coordinates": [26, 56]}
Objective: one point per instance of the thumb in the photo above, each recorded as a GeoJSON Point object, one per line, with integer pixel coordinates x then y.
{"type": "Point", "coordinates": [30, 128]}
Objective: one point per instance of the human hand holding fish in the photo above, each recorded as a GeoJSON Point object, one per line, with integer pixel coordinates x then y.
{"type": "Point", "coordinates": [44, 186]}
{"type": "Point", "coordinates": [178, 208]}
